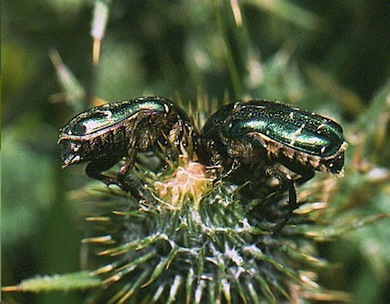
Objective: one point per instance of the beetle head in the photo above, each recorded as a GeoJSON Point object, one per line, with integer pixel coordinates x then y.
{"type": "Point", "coordinates": [70, 152]}
{"type": "Point", "coordinates": [335, 163]}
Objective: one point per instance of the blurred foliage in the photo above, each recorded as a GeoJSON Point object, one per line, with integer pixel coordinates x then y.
{"type": "Point", "coordinates": [330, 56]}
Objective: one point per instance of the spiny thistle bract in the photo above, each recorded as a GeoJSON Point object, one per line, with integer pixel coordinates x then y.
{"type": "Point", "coordinates": [191, 238]}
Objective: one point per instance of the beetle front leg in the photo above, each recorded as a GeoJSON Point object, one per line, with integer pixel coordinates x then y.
{"type": "Point", "coordinates": [124, 171]}
{"type": "Point", "coordinates": [286, 182]}
{"type": "Point", "coordinates": [233, 167]}
{"type": "Point", "coordinates": [305, 173]}
{"type": "Point", "coordinates": [123, 177]}
{"type": "Point", "coordinates": [292, 205]}
{"type": "Point", "coordinates": [95, 168]}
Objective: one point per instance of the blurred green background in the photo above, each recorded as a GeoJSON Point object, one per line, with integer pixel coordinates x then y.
{"type": "Point", "coordinates": [329, 56]}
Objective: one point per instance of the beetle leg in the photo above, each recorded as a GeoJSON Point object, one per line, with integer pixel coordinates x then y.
{"type": "Point", "coordinates": [233, 167]}
{"type": "Point", "coordinates": [305, 173]}
{"type": "Point", "coordinates": [286, 182]}
{"type": "Point", "coordinates": [292, 204]}
{"type": "Point", "coordinates": [124, 170]}
{"type": "Point", "coordinates": [95, 168]}
{"type": "Point", "coordinates": [128, 184]}
{"type": "Point", "coordinates": [305, 176]}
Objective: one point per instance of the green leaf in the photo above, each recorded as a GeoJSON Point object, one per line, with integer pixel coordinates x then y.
{"type": "Point", "coordinates": [59, 282]}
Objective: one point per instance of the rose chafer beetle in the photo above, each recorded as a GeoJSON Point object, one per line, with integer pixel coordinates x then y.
{"type": "Point", "coordinates": [105, 134]}
{"type": "Point", "coordinates": [267, 136]}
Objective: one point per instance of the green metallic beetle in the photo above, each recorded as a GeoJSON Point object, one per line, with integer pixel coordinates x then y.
{"type": "Point", "coordinates": [268, 135]}
{"type": "Point", "coordinates": [105, 134]}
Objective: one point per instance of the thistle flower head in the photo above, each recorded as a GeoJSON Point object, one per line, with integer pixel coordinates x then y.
{"type": "Point", "coordinates": [194, 239]}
